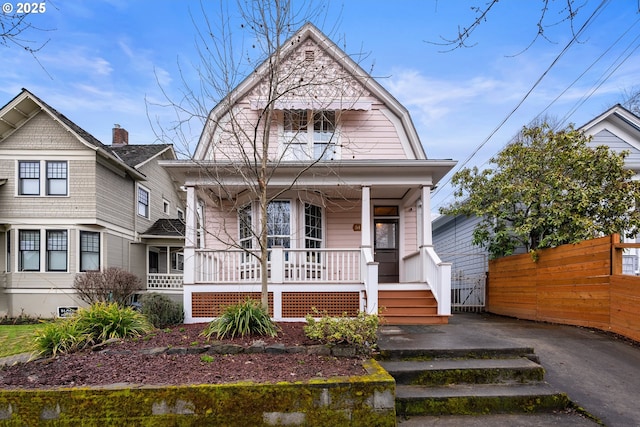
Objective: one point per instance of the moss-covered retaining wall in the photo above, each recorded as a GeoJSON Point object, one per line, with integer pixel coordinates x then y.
{"type": "Point", "coordinates": [367, 400]}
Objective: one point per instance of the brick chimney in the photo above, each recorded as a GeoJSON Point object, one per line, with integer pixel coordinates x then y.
{"type": "Point", "coordinates": [120, 136]}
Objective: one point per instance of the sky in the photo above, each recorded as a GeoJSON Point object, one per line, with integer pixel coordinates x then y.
{"type": "Point", "coordinates": [106, 62]}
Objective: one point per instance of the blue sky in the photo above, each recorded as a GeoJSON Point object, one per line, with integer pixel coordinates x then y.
{"type": "Point", "coordinates": [103, 57]}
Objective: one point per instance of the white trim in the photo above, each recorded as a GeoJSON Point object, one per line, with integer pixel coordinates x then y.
{"type": "Point", "coordinates": [137, 199]}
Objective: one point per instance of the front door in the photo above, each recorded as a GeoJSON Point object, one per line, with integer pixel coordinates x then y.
{"type": "Point", "coordinates": [386, 249]}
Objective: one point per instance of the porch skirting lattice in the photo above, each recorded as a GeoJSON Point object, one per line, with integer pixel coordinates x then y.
{"type": "Point", "coordinates": [294, 304]}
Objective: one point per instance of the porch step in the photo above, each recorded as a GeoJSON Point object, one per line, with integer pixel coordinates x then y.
{"type": "Point", "coordinates": [410, 307]}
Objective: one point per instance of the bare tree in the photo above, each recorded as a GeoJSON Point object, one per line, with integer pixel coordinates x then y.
{"type": "Point", "coordinates": [243, 142]}
{"type": "Point", "coordinates": [568, 11]}
{"type": "Point", "coordinates": [631, 100]}
{"type": "Point", "coordinates": [15, 26]}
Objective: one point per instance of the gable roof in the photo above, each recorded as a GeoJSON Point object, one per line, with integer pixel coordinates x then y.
{"type": "Point", "coordinates": [309, 31]}
{"type": "Point", "coordinates": [616, 119]}
{"type": "Point", "coordinates": [26, 105]}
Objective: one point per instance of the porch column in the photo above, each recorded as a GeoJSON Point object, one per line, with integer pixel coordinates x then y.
{"type": "Point", "coordinates": [426, 239]}
{"type": "Point", "coordinates": [365, 220]}
{"type": "Point", "coordinates": [190, 237]}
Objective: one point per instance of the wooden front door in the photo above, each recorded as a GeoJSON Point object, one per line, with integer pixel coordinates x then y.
{"type": "Point", "coordinates": [386, 251]}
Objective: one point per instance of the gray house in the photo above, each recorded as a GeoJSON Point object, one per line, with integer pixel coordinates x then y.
{"type": "Point", "coordinates": [69, 204]}
{"type": "Point", "coordinates": [617, 128]}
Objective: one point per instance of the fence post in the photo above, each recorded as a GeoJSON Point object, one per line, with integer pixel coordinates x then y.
{"type": "Point", "coordinates": [616, 255]}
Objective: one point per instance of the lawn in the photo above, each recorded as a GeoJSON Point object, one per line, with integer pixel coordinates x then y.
{"type": "Point", "coordinates": [16, 339]}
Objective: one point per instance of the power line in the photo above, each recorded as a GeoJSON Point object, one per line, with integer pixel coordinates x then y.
{"type": "Point", "coordinates": [586, 24]}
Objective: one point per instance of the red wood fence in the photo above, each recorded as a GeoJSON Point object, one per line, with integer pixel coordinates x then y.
{"type": "Point", "coordinates": [578, 284]}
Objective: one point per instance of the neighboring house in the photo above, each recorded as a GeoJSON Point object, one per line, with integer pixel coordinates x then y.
{"type": "Point", "coordinates": [351, 232]}
{"type": "Point", "coordinates": [70, 204]}
{"type": "Point", "coordinates": [617, 128]}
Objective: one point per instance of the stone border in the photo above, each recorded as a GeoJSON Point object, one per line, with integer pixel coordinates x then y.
{"type": "Point", "coordinates": [256, 347]}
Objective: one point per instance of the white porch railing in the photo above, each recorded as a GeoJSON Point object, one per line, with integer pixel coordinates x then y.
{"type": "Point", "coordinates": [438, 275]}
{"type": "Point", "coordinates": [284, 266]}
{"type": "Point", "coordinates": [164, 281]}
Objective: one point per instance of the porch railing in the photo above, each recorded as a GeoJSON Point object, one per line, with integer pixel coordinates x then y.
{"type": "Point", "coordinates": [438, 276]}
{"type": "Point", "coordinates": [164, 281]}
{"type": "Point", "coordinates": [284, 266]}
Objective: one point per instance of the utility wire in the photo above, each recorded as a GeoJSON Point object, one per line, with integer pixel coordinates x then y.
{"type": "Point", "coordinates": [595, 13]}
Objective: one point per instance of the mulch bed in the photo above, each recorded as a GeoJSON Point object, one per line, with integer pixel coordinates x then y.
{"type": "Point", "coordinates": [129, 362]}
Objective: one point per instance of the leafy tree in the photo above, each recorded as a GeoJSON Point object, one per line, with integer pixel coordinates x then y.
{"type": "Point", "coordinates": [547, 188]}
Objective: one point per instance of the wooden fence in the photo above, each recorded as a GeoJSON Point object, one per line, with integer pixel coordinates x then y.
{"type": "Point", "coordinates": [578, 284]}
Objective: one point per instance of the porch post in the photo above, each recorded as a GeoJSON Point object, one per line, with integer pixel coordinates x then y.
{"type": "Point", "coordinates": [190, 236]}
{"type": "Point", "coordinates": [365, 220]}
{"type": "Point", "coordinates": [426, 239]}
{"type": "Point", "coordinates": [371, 267]}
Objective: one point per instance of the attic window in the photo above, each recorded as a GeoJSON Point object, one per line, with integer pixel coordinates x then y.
{"type": "Point", "coordinates": [309, 55]}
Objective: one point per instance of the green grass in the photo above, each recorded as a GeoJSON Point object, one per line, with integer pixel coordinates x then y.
{"type": "Point", "coordinates": [15, 339]}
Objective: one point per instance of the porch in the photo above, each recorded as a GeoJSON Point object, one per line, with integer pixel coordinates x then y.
{"type": "Point", "coordinates": [338, 281]}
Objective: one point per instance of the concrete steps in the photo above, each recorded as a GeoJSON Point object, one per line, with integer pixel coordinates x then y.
{"type": "Point", "coordinates": [410, 307]}
{"type": "Point", "coordinates": [470, 381]}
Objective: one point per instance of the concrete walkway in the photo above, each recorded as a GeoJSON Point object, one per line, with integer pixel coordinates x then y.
{"type": "Point", "coordinates": [598, 371]}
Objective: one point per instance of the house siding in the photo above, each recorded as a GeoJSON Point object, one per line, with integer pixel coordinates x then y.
{"type": "Point", "coordinates": [161, 186]}
{"type": "Point", "coordinates": [452, 242]}
{"type": "Point", "coordinates": [616, 144]}
{"type": "Point", "coordinates": [369, 135]}
{"type": "Point", "coordinates": [339, 225]}
{"type": "Point", "coordinates": [115, 198]}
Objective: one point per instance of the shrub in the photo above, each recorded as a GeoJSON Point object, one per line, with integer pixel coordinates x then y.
{"type": "Point", "coordinates": [360, 331]}
{"type": "Point", "coordinates": [161, 310]}
{"type": "Point", "coordinates": [93, 325]}
{"type": "Point", "coordinates": [243, 318]}
{"type": "Point", "coordinates": [61, 336]}
{"type": "Point", "coordinates": [111, 285]}
{"type": "Point", "coordinates": [108, 320]}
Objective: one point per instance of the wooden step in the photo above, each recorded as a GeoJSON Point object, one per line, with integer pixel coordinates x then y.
{"type": "Point", "coordinates": [410, 307]}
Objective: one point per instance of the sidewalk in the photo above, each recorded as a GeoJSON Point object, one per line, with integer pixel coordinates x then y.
{"type": "Point", "coordinates": [599, 372]}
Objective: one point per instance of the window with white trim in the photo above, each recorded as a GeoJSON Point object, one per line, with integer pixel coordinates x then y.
{"type": "Point", "coordinates": [166, 207]}
{"type": "Point", "coordinates": [244, 222]}
{"type": "Point", "coordinates": [56, 250]}
{"type": "Point", "coordinates": [279, 224]}
{"type": "Point", "coordinates": [89, 251]}
{"type": "Point", "coordinates": [312, 231]}
{"type": "Point", "coordinates": [143, 202]}
{"type": "Point", "coordinates": [56, 178]}
{"type": "Point", "coordinates": [29, 250]}
{"type": "Point", "coordinates": [309, 135]}
{"type": "Point", "coordinates": [29, 178]}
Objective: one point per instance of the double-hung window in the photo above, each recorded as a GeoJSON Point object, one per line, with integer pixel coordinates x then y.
{"type": "Point", "coordinates": [309, 135]}
{"type": "Point", "coordinates": [279, 224]}
{"type": "Point", "coordinates": [143, 202]}
{"type": "Point", "coordinates": [312, 231]}
{"type": "Point", "coordinates": [29, 250]}
{"type": "Point", "coordinates": [89, 251]}
{"type": "Point", "coordinates": [56, 250]}
{"type": "Point", "coordinates": [28, 178]}
{"type": "Point", "coordinates": [56, 178]}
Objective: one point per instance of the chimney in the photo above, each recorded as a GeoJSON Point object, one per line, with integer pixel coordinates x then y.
{"type": "Point", "coordinates": [120, 136]}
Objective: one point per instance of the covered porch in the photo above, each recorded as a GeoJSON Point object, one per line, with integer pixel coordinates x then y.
{"type": "Point", "coordinates": [387, 264]}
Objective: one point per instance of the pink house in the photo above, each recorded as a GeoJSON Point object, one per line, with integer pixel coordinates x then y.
{"type": "Point", "coordinates": [348, 185]}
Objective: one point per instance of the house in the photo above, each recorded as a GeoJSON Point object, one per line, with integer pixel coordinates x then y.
{"type": "Point", "coordinates": [348, 185]}
{"type": "Point", "coordinates": [617, 128]}
{"type": "Point", "coordinates": [69, 204]}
